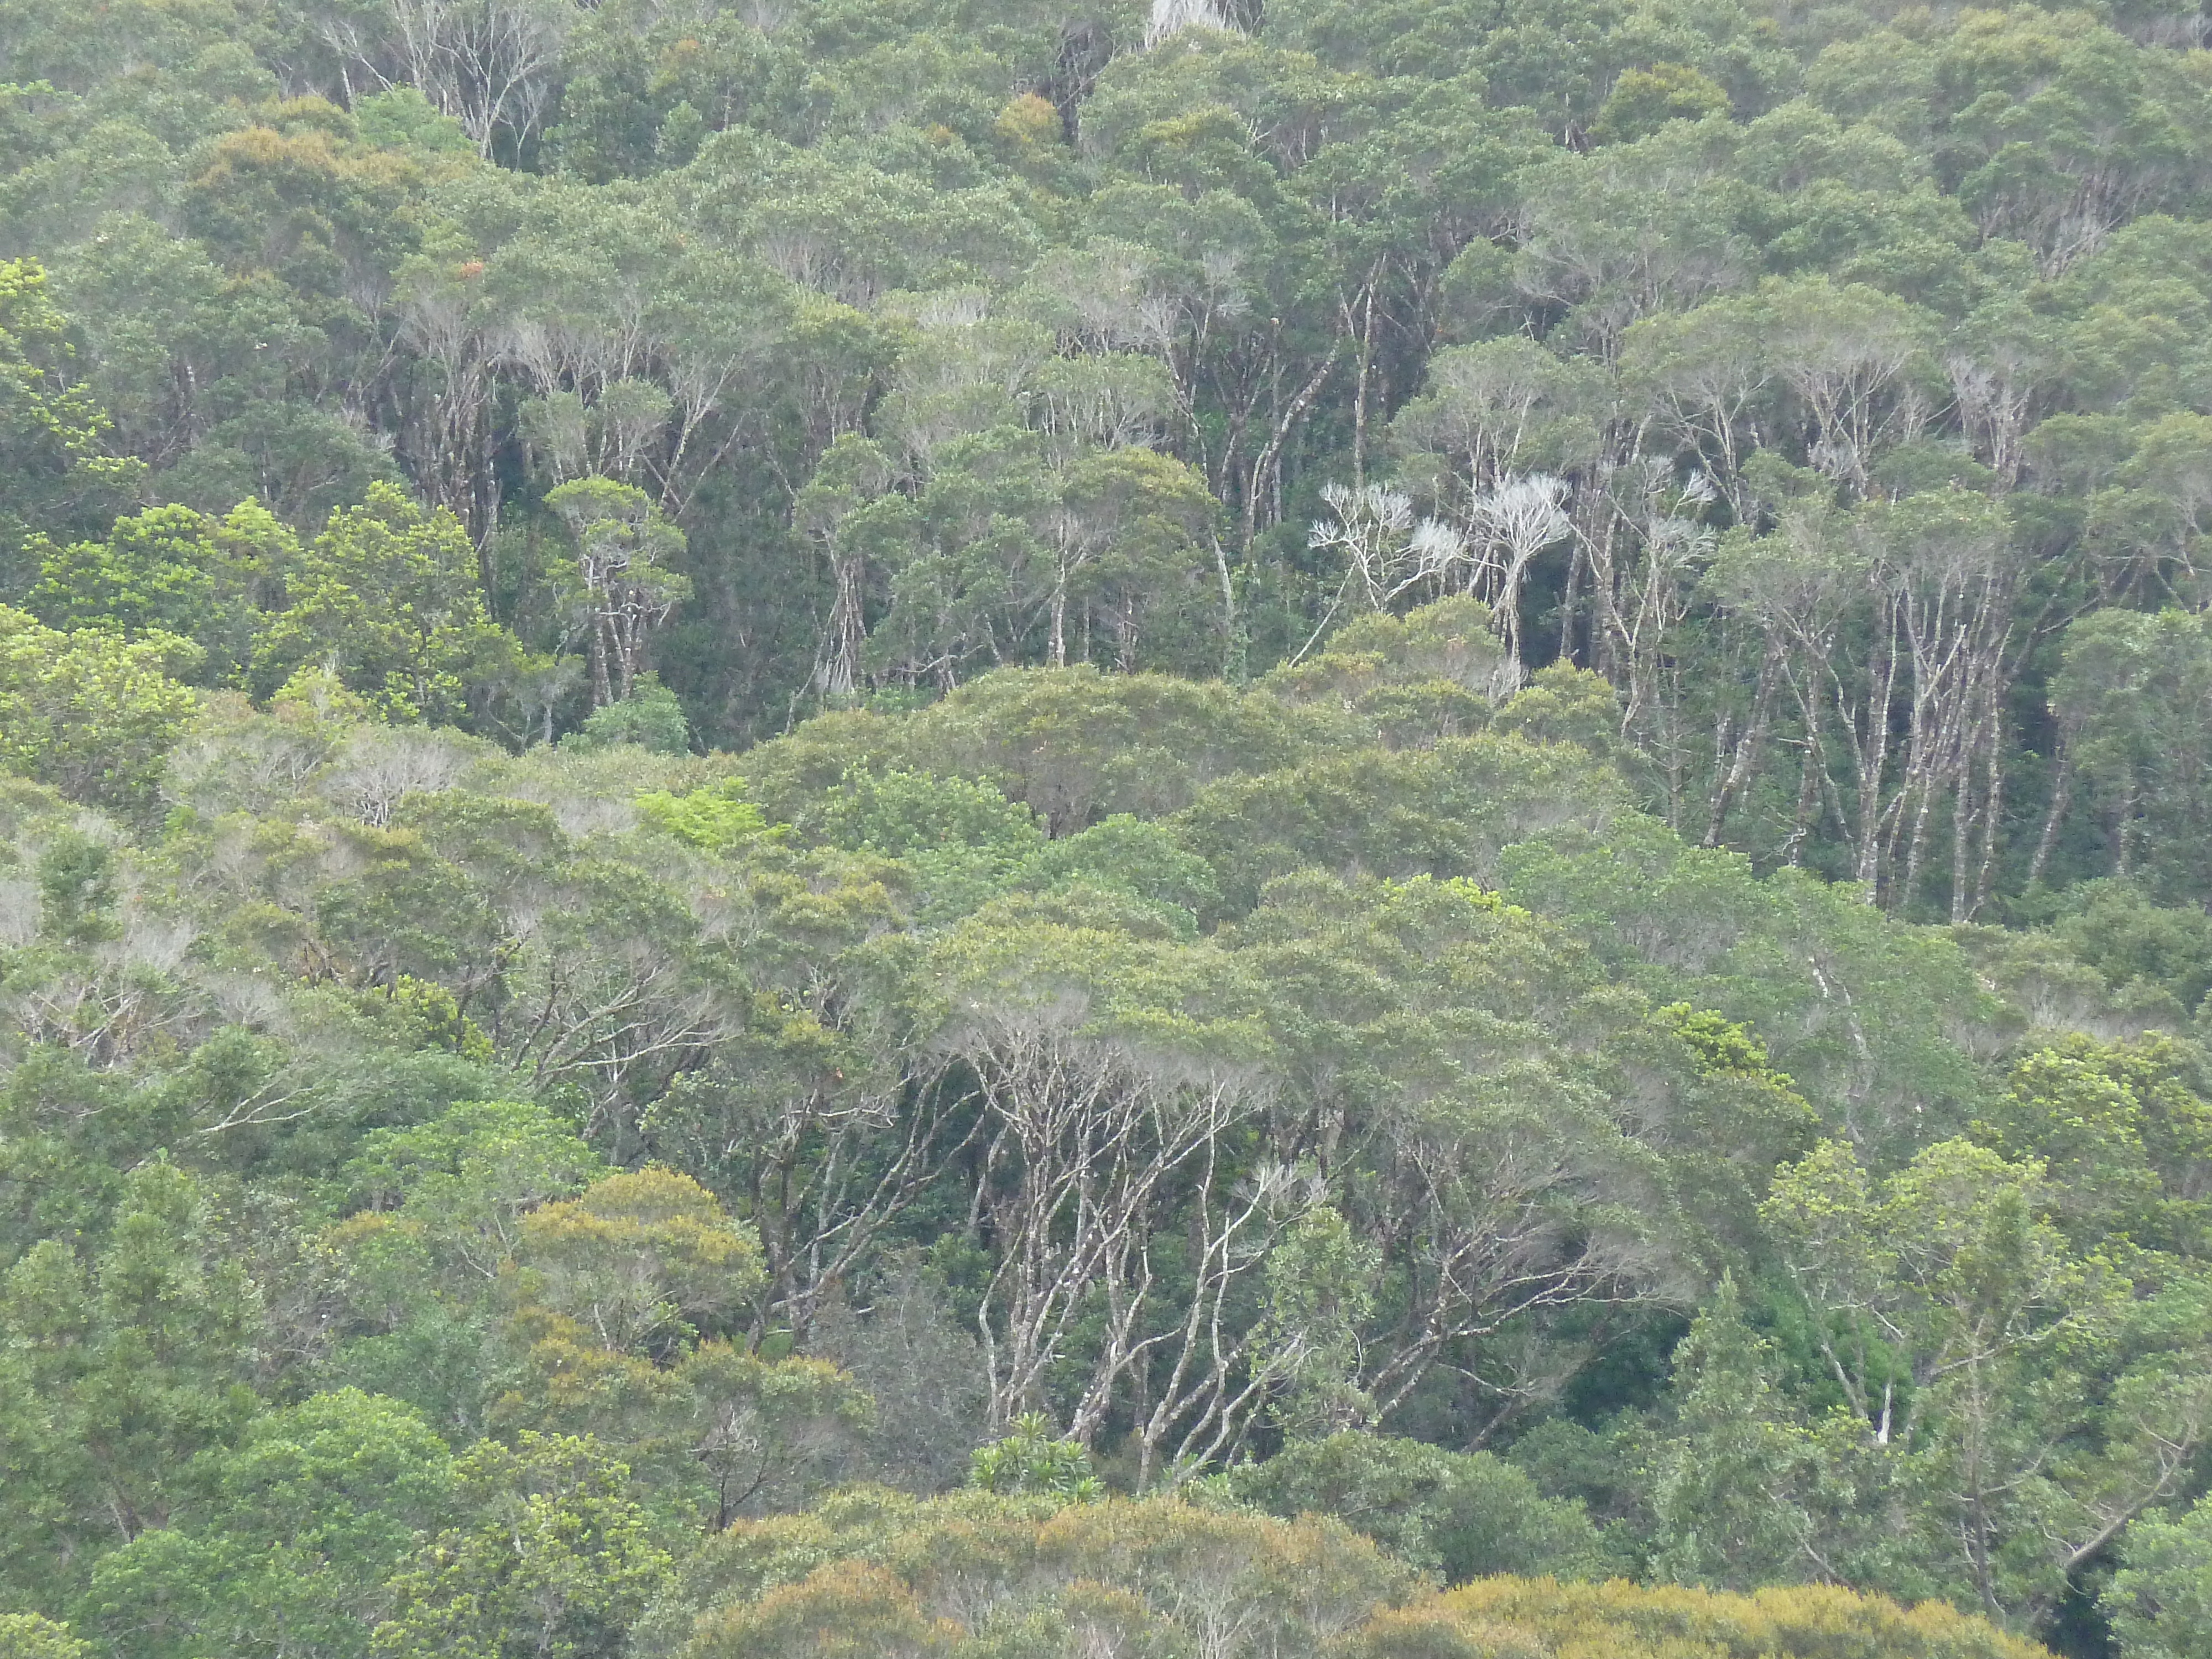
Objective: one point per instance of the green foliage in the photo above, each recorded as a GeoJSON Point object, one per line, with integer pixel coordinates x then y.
{"type": "Point", "coordinates": [1320, 1293]}
{"type": "Point", "coordinates": [718, 818]}
{"type": "Point", "coordinates": [2158, 1599]}
{"type": "Point", "coordinates": [623, 550]}
{"type": "Point", "coordinates": [1437, 672]}
{"type": "Point", "coordinates": [1965, 1332]}
{"type": "Point", "coordinates": [1368, 637]}
{"type": "Point", "coordinates": [153, 573]}
{"type": "Point", "coordinates": [637, 1259]}
{"type": "Point", "coordinates": [1644, 101]}
{"type": "Point", "coordinates": [76, 889]}
{"type": "Point", "coordinates": [1446, 811]}
{"type": "Point", "coordinates": [1621, 1618]}
{"type": "Point", "coordinates": [34, 1636]}
{"type": "Point", "coordinates": [2122, 1130]}
{"type": "Point", "coordinates": [120, 1362]}
{"type": "Point", "coordinates": [90, 712]}
{"type": "Point", "coordinates": [963, 840]}
{"type": "Point", "coordinates": [402, 118]}
{"type": "Point", "coordinates": [1722, 1044]}
{"type": "Point", "coordinates": [1025, 1575]}
{"type": "Point", "coordinates": [290, 1545]}
{"type": "Point", "coordinates": [2131, 686]}
{"type": "Point", "coordinates": [1459, 1515]}
{"type": "Point", "coordinates": [555, 1559]}
{"type": "Point", "coordinates": [1721, 1496]}
{"type": "Point", "coordinates": [386, 597]}
{"type": "Point", "coordinates": [1033, 1461]}
{"type": "Point", "coordinates": [649, 717]}
{"type": "Point", "coordinates": [2133, 943]}
{"type": "Point", "coordinates": [52, 433]}
{"type": "Point", "coordinates": [1396, 1156]}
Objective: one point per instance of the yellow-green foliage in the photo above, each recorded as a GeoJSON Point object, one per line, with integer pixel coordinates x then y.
{"type": "Point", "coordinates": [974, 1574]}
{"type": "Point", "coordinates": [638, 1253]}
{"type": "Point", "coordinates": [29, 1636]}
{"type": "Point", "coordinates": [1509, 1617]}
{"type": "Point", "coordinates": [90, 712]}
{"type": "Point", "coordinates": [716, 818]}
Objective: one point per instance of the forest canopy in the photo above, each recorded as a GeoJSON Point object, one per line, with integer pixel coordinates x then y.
{"type": "Point", "coordinates": [984, 828]}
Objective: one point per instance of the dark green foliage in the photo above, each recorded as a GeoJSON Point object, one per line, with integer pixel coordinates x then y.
{"type": "Point", "coordinates": [76, 890]}
{"type": "Point", "coordinates": [649, 717]}
{"type": "Point", "coordinates": [1460, 1515]}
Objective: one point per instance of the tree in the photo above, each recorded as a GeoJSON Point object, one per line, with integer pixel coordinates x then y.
{"type": "Point", "coordinates": [638, 1261]}
{"type": "Point", "coordinates": [852, 1577]}
{"type": "Point", "coordinates": [767, 1434]}
{"type": "Point", "coordinates": [52, 434]}
{"type": "Point", "coordinates": [1633, 229]}
{"type": "Point", "coordinates": [2122, 1132]}
{"type": "Point", "coordinates": [34, 1636]}
{"type": "Point", "coordinates": [650, 716]}
{"type": "Point", "coordinates": [169, 570]}
{"type": "Point", "coordinates": [1126, 532]}
{"type": "Point", "coordinates": [489, 66]}
{"type": "Point", "coordinates": [1321, 1295]}
{"type": "Point", "coordinates": [1735, 1482]}
{"type": "Point", "coordinates": [1929, 584]}
{"type": "Point", "coordinates": [1500, 407]}
{"type": "Point", "coordinates": [387, 597]}
{"type": "Point", "coordinates": [1030, 1459]}
{"type": "Point", "coordinates": [287, 1550]}
{"type": "Point", "coordinates": [862, 532]}
{"type": "Point", "coordinates": [88, 712]}
{"type": "Point", "coordinates": [1621, 1618]}
{"type": "Point", "coordinates": [623, 547]}
{"type": "Point", "coordinates": [552, 1559]}
{"type": "Point", "coordinates": [1961, 1330]}
{"type": "Point", "coordinates": [412, 1280]}
{"type": "Point", "coordinates": [1483, 1189]}
{"type": "Point", "coordinates": [120, 1365]}
{"type": "Point", "coordinates": [1644, 101]}
{"type": "Point", "coordinates": [2126, 696]}
{"type": "Point", "coordinates": [1460, 1516]}
{"type": "Point", "coordinates": [1110, 1070]}
{"type": "Point", "coordinates": [155, 572]}
{"type": "Point", "coordinates": [2037, 172]}
{"type": "Point", "coordinates": [2157, 1600]}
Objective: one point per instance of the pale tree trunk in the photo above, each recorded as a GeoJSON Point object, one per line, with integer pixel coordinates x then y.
{"type": "Point", "coordinates": [1735, 762]}
{"type": "Point", "coordinates": [1360, 392]}
{"type": "Point", "coordinates": [1201, 1407]}
{"type": "Point", "coordinates": [1812, 779]}
{"type": "Point", "coordinates": [1272, 451]}
{"type": "Point", "coordinates": [2062, 795]}
{"type": "Point", "coordinates": [1084, 1143]}
{"type": "Point", "coordinates": [1866, 726]}
{"type": "Point", "coordinates": [846, 632]}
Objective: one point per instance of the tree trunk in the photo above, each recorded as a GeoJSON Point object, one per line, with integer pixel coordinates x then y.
{"type": "Point", "coordinates": [1743, 758]}
{"type": "Point", "coordinates": [2062, 792]}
